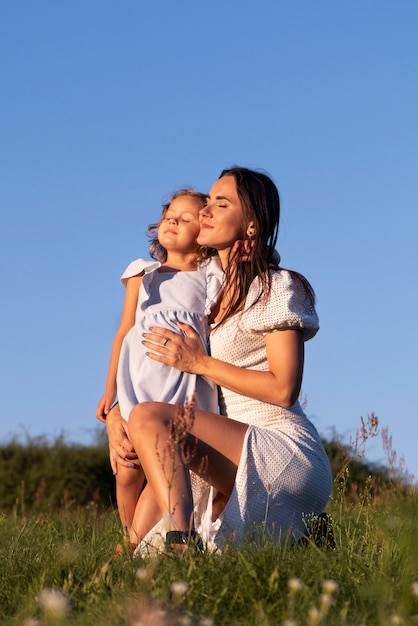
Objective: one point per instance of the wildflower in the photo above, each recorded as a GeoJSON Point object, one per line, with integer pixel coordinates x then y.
{"type": "Point", "coordinates": [179, 588]}
{"type": "Point", "coordinates": [414, 589]}
{"type": "Point", "coordinates": [141, 573]}
{"type": "Point", "coordinates": [329, 586]}
{"type": "Point", "coordinates": [326, 602]}
{"type": "Point", "coordinates": [314, 616]}
{"type": "Point", "coordinates": [53, 602]}
{"type": "Point", "coordinates": [295, 584]}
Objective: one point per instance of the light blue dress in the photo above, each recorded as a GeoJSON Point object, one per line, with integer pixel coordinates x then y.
{"type": "Point", "coordinates": [164, 299]}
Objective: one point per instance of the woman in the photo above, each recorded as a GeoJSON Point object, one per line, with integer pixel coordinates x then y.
{"type": "Point", "coordinates": [261, 459]}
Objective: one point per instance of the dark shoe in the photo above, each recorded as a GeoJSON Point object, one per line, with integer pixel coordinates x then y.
{"type": "Point", "coordinates": [188, 538]}
{"type": "Point", "coordinates": [320, 531]}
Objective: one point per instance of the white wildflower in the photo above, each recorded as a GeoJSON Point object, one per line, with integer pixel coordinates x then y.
{"type": "Point", "coordinates": [326, 601]}
{"type": "Point", "coordinates": [329, 586]}
{"type": "Point", "coordinates": [141, 573]}
{"type": "Point", "coordinates": [179, 588]}
{"type": "Point", "coordinates": [295, 584]}
{"type": "Point", "coordinates": [53, 602]}
{"type": "Point", "coordinates": [314, 616]}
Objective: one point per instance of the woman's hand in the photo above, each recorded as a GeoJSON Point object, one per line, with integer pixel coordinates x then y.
{"type": "Point", "coordinates": [183, 351]}
{"type": "Point", "coordinates": [121, 449]}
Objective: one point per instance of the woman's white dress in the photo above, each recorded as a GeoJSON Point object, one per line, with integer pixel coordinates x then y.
{"type": "Point", "coordinates": [164, 299]}
{"type": "Point", "coordinates": [284, 475]}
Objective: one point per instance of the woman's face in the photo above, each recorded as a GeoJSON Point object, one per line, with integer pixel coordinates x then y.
{"type": "Point", "coordinates": [221, 220]}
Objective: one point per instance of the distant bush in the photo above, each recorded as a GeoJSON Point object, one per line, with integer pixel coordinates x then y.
{"type": "Point", "coordinates": [40, 476]}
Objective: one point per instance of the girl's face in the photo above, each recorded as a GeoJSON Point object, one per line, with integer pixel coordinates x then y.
{"type": "Point", "coordinates": [221, 220]}
{"type": "Point", "coordinates": [180, 226]}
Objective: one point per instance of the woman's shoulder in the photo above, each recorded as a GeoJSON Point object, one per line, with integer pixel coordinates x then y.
{"type": "Point", "coordinates": [139, 266]}
{"type": "Point", "coordinates": [289, 304]}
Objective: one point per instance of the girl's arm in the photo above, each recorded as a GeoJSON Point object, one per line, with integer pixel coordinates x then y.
{"type": "Point", "coordinates": [126, 323]}
{"type": "Point", "coordinates": [280, 384]}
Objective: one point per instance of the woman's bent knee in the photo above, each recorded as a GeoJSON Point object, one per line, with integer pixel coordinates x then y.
{"type": "Point", "coordinates": [149, 414]}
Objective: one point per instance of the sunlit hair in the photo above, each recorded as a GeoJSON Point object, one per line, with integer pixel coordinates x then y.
{"type": "Point", "coordinates": [156, 250]}
{"type": "Point", "coordinates": [260, 203]}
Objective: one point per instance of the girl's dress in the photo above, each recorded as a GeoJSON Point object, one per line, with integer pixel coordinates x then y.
{"type": "Point", "coordinates": [164, 299]}
{"type": "Point", "coordinates": [284, 475]}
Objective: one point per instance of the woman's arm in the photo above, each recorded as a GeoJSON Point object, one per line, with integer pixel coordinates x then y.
{"type": "Point", "coordinates": [280, 384]}
{"type": "Point", "coordinates": [126, 323]}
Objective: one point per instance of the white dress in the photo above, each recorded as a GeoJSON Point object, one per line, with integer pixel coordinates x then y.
{"type": "Point", "coordinates": [284, 474]}
{"type": "Point", "coordinates": [164, 299]}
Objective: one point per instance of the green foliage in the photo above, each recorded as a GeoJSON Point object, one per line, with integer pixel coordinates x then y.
{"type": "Point", "coordinates": [39, 476]}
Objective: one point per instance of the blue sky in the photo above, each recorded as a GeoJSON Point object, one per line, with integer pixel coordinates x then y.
{"type": "Point", "coordinates": [107, 107]}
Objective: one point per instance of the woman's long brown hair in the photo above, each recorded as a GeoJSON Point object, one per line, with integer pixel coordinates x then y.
{"type": "Point", "coordinates": [260, 203]}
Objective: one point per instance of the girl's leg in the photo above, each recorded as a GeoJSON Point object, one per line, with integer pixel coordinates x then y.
{"type": "Point", "coordinates": [215, 443]}
{"type": "Point", "coordinates": [129, 485]}
{"type": "Point", "coordinates": [147, 515]}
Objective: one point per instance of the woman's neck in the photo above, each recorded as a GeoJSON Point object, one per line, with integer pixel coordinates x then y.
{"type": "Point", "coordinates": [224, 257]}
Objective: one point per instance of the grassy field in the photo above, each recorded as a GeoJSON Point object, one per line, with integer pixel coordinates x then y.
{"type": "Point", "coordinates": [58, 566]}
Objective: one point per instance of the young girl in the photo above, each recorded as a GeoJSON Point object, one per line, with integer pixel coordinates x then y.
{"type": "Point", "coordinates": [180, 285]}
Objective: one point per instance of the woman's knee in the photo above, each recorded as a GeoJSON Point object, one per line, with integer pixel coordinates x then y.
{"type": "Point", "coordinates": [148, 415]}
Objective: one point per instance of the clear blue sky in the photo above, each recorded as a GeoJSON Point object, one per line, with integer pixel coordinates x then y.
{"type": "Point", "coordinates": [106, 107]}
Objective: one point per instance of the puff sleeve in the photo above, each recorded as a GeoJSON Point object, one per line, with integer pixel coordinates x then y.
{"type": "Point", "coordinates": [137, 267]}
{"type": "Point", "coordinates": [287, 307]}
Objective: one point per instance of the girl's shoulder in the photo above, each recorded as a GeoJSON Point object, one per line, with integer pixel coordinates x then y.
{"type": "Point", "coordinates": [139, 266]}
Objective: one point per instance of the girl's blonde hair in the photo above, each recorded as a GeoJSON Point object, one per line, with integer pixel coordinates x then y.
{"type": "Point", "coordinates": [156, 250]}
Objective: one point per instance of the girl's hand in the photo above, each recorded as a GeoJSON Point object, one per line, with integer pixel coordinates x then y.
{"type": "Point", "coordinates": [104, 405]}
{"type": "Point", "coordinates": [120, 448]}
{"type": "Point", "coordinates": [183, 351]}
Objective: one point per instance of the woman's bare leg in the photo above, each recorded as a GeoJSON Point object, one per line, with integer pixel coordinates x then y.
{"type": "Point", "coordinates": [161, 460]}
{"type": "Point", "coordinates": [217, 444]}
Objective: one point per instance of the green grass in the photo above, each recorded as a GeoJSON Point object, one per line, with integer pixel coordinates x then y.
{"type": "Point", "coordinates": [58, 564]}
{"type": "Point", "coordinates": [374, 568]}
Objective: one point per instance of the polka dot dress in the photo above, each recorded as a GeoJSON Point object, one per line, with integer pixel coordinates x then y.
{"type": "Point", "coordinates": [284, 473]}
